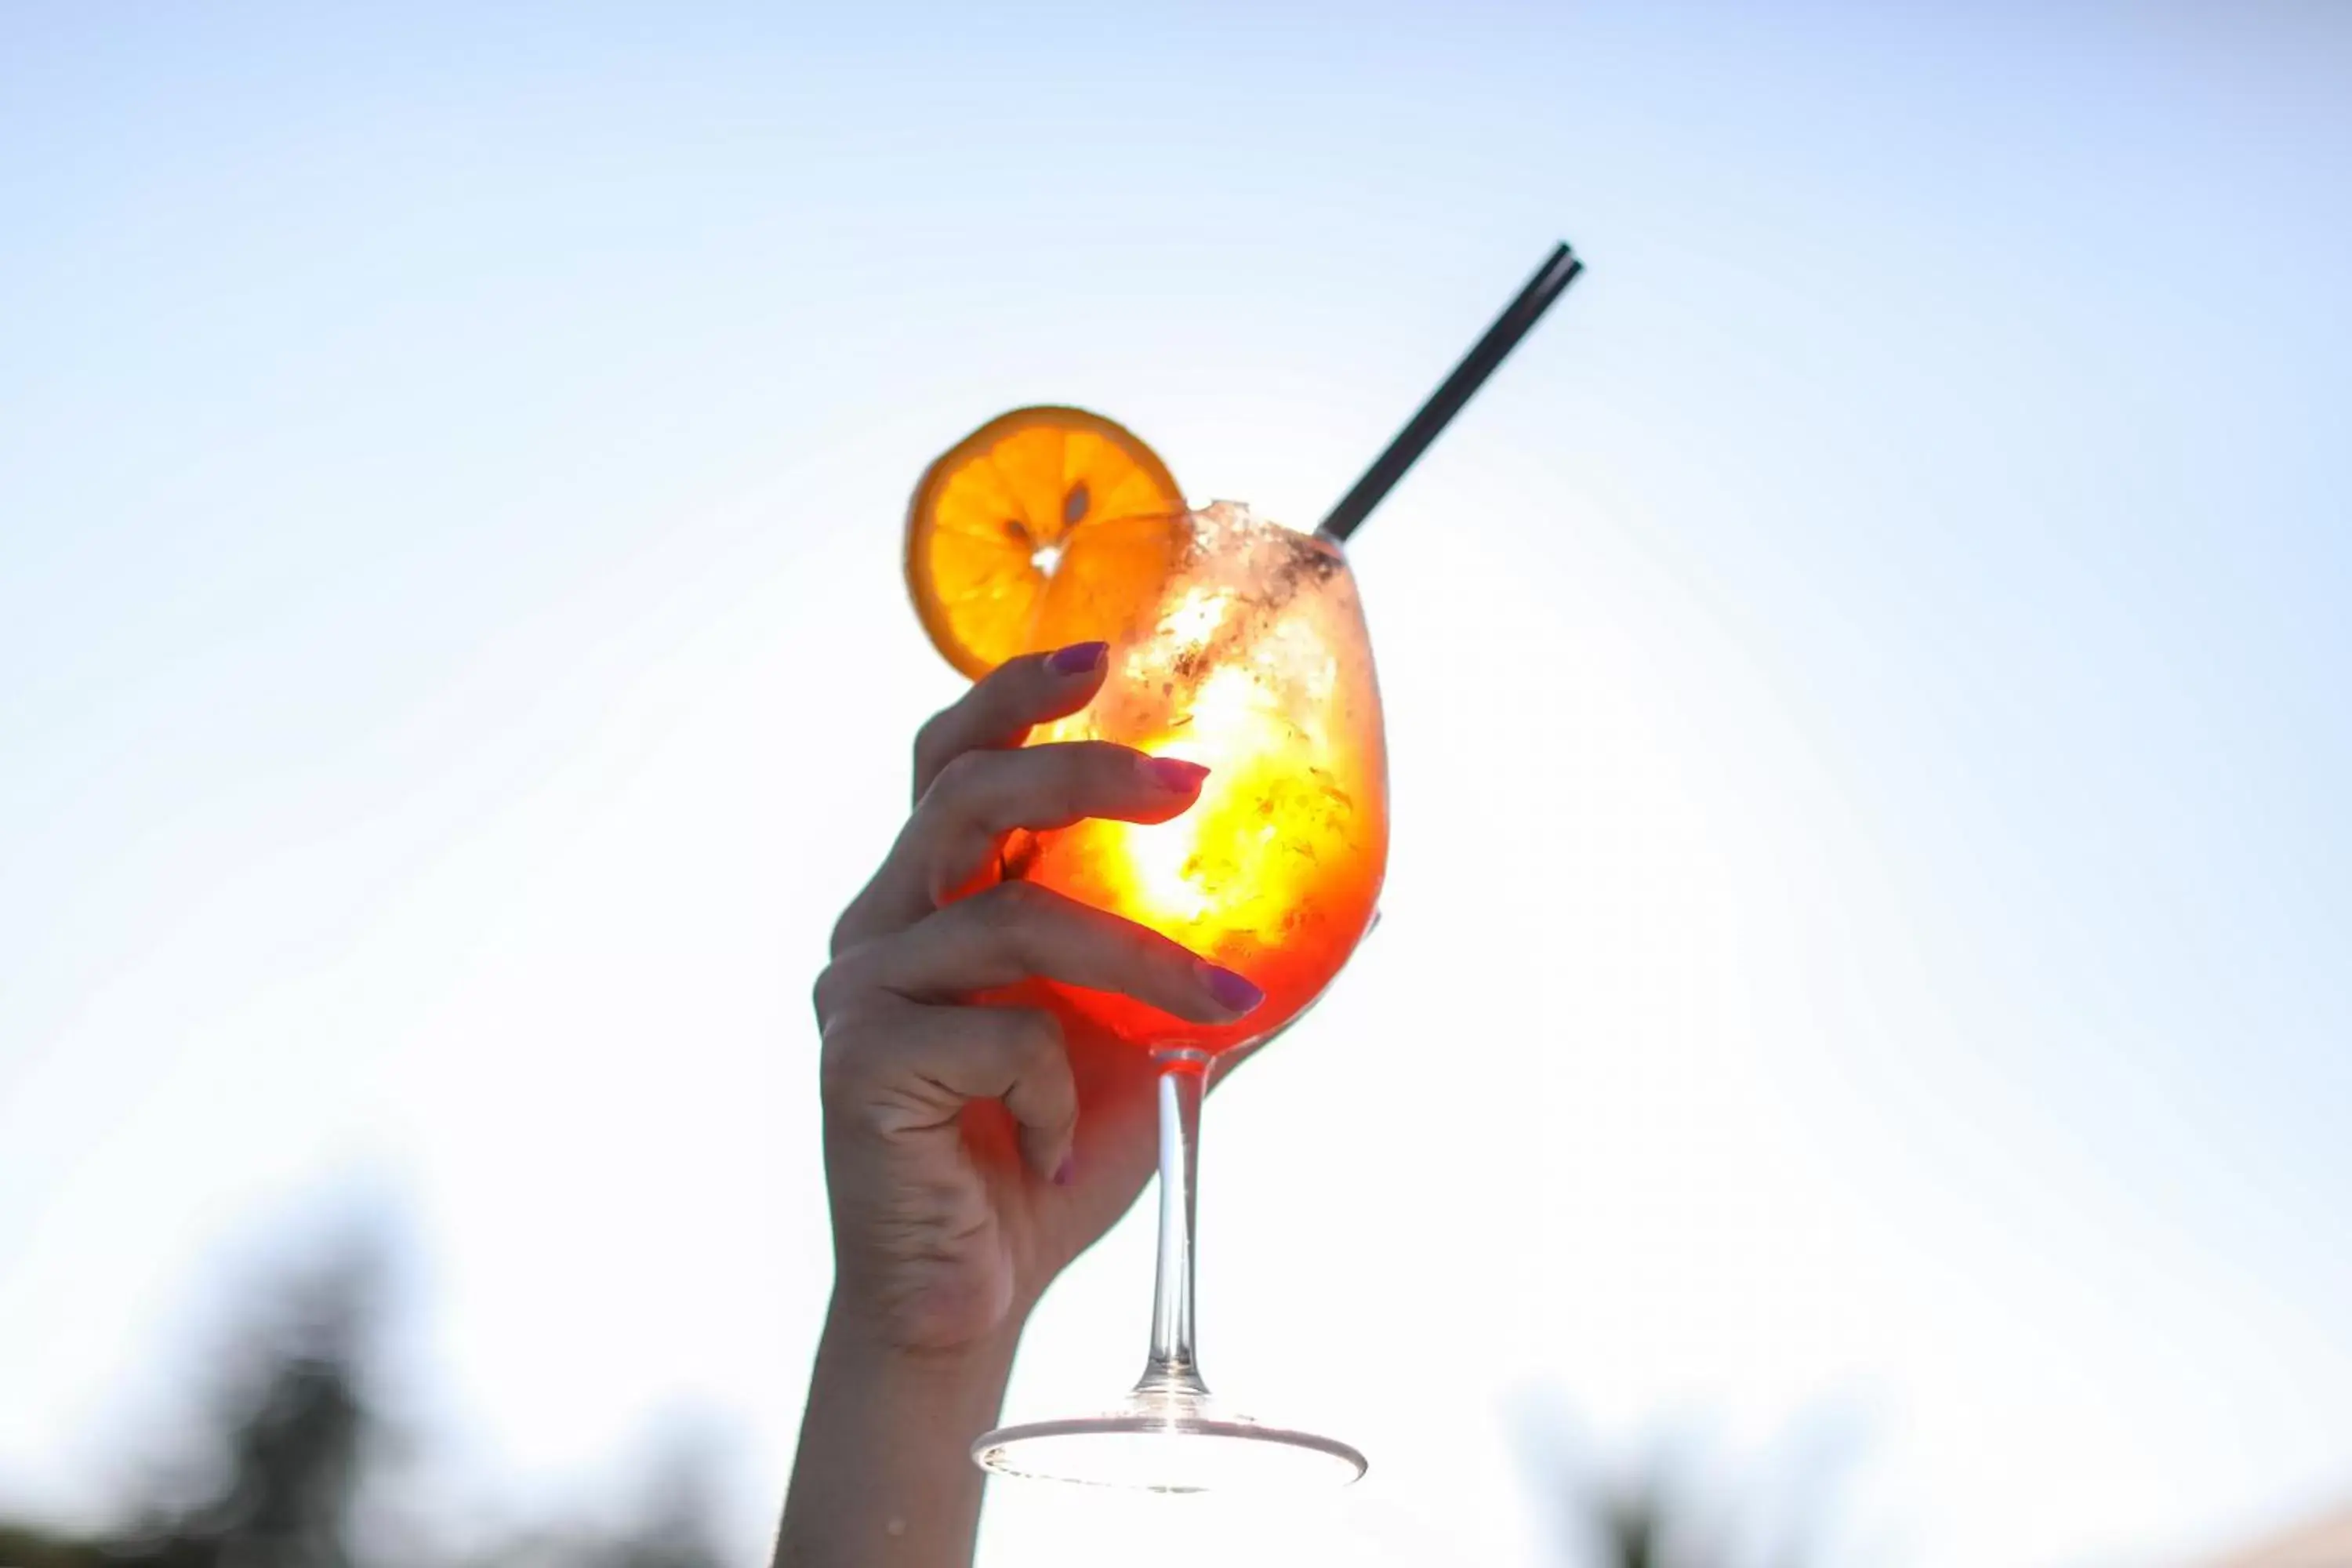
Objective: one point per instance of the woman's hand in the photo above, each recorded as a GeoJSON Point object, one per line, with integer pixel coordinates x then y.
{"type": "Point", "coordinates": [978, 1133]}
{"type": "Point", "coordinates": [971, 1149]}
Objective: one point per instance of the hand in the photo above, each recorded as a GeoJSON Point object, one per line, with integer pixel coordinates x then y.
{"type": "Point", "coordinates": [971, 1149]}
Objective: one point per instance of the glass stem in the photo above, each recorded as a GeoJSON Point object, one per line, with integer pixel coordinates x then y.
{"type": "Point", "coordinates": [1173, 1374]}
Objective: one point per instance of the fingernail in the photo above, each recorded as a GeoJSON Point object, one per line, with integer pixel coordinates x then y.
{"type": "Point", "coordinates": [1077, 659]}
{"type": "Point", "coordinates": [1231, 992]}
{"type": "Point", "coordinates": [1173, 774]}
{"type": "Point", "coordinates": [1066, 1169]}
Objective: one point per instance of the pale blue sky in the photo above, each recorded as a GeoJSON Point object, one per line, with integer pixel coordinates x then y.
{"type": "Point", "coordinates": [452, 664]}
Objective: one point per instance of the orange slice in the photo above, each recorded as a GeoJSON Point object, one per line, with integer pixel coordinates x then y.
{"type": "Point", "coordinates": [1043, 527]}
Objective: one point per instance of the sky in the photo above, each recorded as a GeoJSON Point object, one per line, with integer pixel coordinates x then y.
{"type": "Point", "coordinates": [1862, 998]}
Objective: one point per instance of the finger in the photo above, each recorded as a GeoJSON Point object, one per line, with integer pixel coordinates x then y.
{"type": "Point", "coordinates": [1018, 930]}
{"type": "Point", "coordinates": [921, 1065]}
{"type": "Point", "coordinates": [1003, 704]}
{"type": "Point", "coordinates": [980, 796]}
{"type": "Point", "coordinates": [1016, 1057]}
{"type": "Point", "coordinates": [954, 835]}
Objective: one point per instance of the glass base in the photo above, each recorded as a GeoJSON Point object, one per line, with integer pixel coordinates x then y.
{"type": "Point", "coordinates": [1172, 1447]}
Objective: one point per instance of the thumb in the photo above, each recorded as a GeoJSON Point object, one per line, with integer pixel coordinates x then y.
{"type": "Point", "coordinates": [1016, 1056]}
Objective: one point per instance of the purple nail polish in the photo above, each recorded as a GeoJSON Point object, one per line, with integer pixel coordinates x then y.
{"type": "Point", "coordinates": [1172, 774]}
{"type": "Point", "coordinates": [1231, 992]}
{"type": "Point", "coordinates": [1066, 1170]}
{"type": "Point", "coordinates": [1077, 659]}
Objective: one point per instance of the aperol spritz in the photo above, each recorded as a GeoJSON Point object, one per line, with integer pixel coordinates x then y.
{"type": "Point", "coordinates": [1240, 646]}
{"type": "Point", "coordinates": [1253, 661]}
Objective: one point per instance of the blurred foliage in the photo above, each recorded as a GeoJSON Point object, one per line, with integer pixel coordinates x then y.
{"type": "Point", "coordinates": [293, 1465]}
{"type": "Point", "coordinates": [1691, 1504]}
{"type": "Point", "coordinates": [21, 1546]}
{"type": "Point", "coordinates": [292, 1451]}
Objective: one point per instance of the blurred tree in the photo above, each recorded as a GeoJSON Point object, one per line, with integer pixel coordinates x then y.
{"type": "Point", "coordinates": [1631, 1526]}
{"type": "Point", "coordinates": [1680, 1509]}
{"type": "Point", "coordinates": [21, 1546]}
{"type": "Point", "coordinates": [282, 1460]}
{"type": "Point", "coordinates": [293, 1443]}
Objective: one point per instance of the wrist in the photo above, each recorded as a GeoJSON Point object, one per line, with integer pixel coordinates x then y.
{"type": "Point", "coordinates": [856, 1340]}
{"type": "Point", "coordinates": [884, 1477]}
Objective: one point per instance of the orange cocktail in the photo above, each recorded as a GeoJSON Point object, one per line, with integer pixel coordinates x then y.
{"type": "Point", "coordinates": [1254, 662]}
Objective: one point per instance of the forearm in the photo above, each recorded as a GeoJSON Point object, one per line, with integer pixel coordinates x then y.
{"type": "Point", "coordinates": [884, 1476]}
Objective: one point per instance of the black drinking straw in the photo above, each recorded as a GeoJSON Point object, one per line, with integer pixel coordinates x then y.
{"type": "Point", "coordinates": [1559, 270]}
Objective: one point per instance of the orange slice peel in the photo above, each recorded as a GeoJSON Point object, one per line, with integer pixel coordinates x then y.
{"type": "Point", "coordinates": [1046, 526]}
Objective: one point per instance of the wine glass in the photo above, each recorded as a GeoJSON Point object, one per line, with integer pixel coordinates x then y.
{"type": "Point", "coordinates": [1254, 662]}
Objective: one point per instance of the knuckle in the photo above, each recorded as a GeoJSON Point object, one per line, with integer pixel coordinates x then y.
{"type": "Point", "coordinates": [955, 780]}
{"type": "Point", "coordinates": [1000, 922]}
{"type": "Point", "coordinates": [934, 743]}
{"type": "Point", "coordinates": [1010, 906]}
{"type": "Point", "coordinates": [855, 927]}
{"type": "Point", "coordinates": [853, 1027]}
{"type": "Point", "coordinates": [1033, 1035]}
{"type": "Point", "coordinates": [1069, 788]}
{"type": "Point", "coordinates": [842, 1055]}
{"type": "Point", "coordinates": [864, 1048]}
{"type": "Point", "coordinates": [826, 996]}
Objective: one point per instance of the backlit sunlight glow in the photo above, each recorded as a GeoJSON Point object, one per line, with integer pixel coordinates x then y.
{"type": "Point", "coordinates": [1258, 669]}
